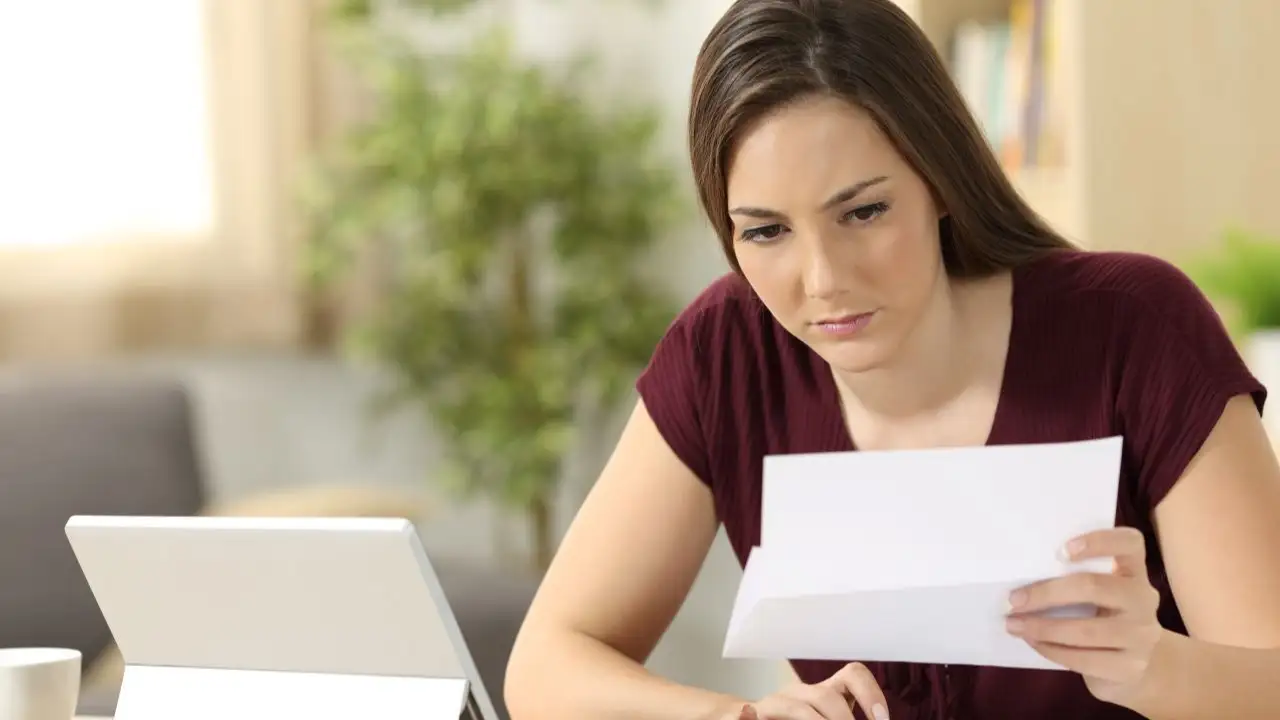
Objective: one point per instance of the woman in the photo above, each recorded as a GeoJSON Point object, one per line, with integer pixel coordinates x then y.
{"type": "Point", "coordinates": [890, 290]}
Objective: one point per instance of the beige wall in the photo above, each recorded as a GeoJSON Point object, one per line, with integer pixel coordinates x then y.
{"type": "Point", "coordinates": [1181, 110]}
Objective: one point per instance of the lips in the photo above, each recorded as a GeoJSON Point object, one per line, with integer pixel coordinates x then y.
{"type": "Point", "coordinates": [844, 325]}
{"type": "Point", "coordinates": [843, 319]}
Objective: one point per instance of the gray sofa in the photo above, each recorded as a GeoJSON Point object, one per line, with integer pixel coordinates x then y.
{"type": "Point", "coordinates": [96, 444]}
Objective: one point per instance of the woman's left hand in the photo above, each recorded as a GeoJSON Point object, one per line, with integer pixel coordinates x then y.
{"type": "Point", "coordinates": [1113, 650]}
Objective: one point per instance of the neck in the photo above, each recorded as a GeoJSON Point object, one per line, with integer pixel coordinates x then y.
{"type": "Point", "coordinates": [935, 364]}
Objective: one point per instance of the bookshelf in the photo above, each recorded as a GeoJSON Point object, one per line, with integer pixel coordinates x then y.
{"type": "Point", "coordinates": [1154, 126]}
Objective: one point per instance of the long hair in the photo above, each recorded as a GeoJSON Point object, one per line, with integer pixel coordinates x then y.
{"type": "Point", "coordinates": [764, 54]}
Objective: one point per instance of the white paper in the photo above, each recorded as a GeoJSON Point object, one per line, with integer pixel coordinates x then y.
{"type": "Point", "coordinates": [910, 556]}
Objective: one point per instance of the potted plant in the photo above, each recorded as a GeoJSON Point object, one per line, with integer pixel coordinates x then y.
{"type": "Point", "coordinates": [1244, 274]}
{"type": "Point", "coordinates": [512, 218]}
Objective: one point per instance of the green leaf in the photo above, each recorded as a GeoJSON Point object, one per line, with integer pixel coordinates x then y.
{"type": "Point", "coordinates": [509, 216]}
{"type": "Point", "coordinates": [1245, 273]}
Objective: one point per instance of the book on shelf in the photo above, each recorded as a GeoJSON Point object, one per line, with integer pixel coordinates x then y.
{"type": "Point", "coordinates": [1007, 72]}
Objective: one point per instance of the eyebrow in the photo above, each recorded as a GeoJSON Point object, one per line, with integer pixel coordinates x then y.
{"type": "Point", "coordinates": [844, 195]}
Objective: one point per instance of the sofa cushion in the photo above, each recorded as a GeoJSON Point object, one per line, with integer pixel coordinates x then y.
{"type": "Point", "coordinates": [80, 445]}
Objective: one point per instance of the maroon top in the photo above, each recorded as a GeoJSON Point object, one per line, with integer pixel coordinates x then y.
{"type": "Point", "coordinates": [1102, 344]}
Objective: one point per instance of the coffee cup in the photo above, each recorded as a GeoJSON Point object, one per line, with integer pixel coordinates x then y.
{"type": "Point", "coordinates": [39, 683]}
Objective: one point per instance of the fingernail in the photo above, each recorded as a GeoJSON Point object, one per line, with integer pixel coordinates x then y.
{"type": "Point", "coordinates": [879, 712]}
{"type": "Point", "coordinates": [1072, 549]}
{"type": "Point", "coordinates": [1014, 625]}
{"type": "Point", "coordinates": [1017, 599]}
{"type": "Point", "coordinates": [748, 713]}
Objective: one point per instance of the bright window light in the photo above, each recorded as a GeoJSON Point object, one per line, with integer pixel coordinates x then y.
{"type": "Point", "coordinates": [104, 122]}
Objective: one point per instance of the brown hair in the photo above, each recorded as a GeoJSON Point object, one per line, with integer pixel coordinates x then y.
{"type": "Point", "coordinates": [766, 53]}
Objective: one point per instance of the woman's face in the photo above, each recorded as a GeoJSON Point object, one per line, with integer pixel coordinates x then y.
{"type": "Point", "coordinates": [834, 230]}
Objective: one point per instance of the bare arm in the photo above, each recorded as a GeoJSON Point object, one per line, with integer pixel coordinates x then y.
{"type": "Point", "coordinates": [1220, 532]}
{"type": "Point", "coordinates": [619, 577]}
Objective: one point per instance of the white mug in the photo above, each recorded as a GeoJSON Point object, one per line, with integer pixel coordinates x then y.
{"type": "Point", "coordinates": [39, 683]}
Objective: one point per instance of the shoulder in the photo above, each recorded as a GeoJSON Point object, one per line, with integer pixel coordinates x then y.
{"type": "Point", "coordinates": [1133, 281]}
{"type": "Point", "coordinates": [1122, 291]}
{"type": "Point", "coordinates": [1168, 363]}
{"type": "Point", "coordinates": [1145, 316]}
{"type": "Point", "coordinates": [726, 308]}
{"type": "Point", "coordinates": [726, 373]}
{"type": "Point", "coordinates": [697, 362]}
{"type": "Point", "coordinates": [722, 332]}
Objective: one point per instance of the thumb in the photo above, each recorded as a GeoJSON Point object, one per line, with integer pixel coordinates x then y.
{"type": "Point", "coordinates": [748, 713]}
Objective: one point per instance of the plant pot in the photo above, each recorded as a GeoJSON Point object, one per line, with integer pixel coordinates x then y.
{"type": "Point", "coordinates": [1263, 355]}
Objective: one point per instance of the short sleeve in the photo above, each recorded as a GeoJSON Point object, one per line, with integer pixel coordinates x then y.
{"type": "Point", "coordinates": [671, 387]}
{"type": "Point", "coordinates": [1179, 369]}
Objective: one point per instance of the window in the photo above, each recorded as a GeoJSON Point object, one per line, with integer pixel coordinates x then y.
{"type": "Point", "coordinates": [147, 153]}
{"type": "Point", "coordinates": [104, 122]}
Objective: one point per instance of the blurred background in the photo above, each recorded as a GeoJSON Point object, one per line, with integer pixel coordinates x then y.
{"type": "Point", "coordinates": [346, 257]}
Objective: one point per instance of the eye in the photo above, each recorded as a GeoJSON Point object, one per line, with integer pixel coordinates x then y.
{"type": "Point", "coordinates": [867, 213]}
{"type": "Point", "coordinates": [764, 232]}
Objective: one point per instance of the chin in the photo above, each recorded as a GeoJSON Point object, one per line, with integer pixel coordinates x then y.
{"type": "Point", "coordinates": [855, 356]}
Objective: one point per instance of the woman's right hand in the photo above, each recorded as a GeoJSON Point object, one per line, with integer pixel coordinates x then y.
{"type": "Point", "coordinates": [832, 699]}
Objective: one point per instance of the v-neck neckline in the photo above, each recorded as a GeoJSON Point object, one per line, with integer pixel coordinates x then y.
{"type": "Point", "coordinates": [1010, 374]}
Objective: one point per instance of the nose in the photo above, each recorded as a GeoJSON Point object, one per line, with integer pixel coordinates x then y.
{"type": "Point", "coordinates": [820, 275]}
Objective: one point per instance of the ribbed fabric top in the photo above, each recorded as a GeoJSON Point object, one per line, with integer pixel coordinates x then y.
{"type": "Point", "coordinates": [1102, 344]}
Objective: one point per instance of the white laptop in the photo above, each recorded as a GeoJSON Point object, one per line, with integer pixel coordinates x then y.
{"type": "Point", "coordinates": [257, 619]}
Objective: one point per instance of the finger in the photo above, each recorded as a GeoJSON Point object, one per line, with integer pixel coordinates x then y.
{"type": "Point", "coordinates": [830, 702]}
{"type": "Point", "coordinates": [1126, 545]}
{"type": "Point", "coordinates": [1102, 590]}
{"type": "Point", "coordinates": [855, 680]}
{"type": "Point", "coordinates": [1102, 633]}
{"type": "Point", "coordinates": [1113, 665]}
